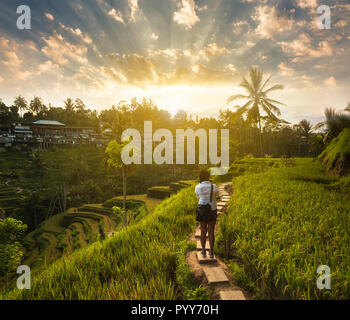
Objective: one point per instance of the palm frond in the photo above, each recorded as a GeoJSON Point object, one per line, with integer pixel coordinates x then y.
{"type": "Point", "coordinates": [256, 75]}
{"type": "Point", "coordinates": [275, 101]}
{"type": "Point", "coordinates": [235, 97]}
{"type": "Point", "coordinates": [265, 83]}
{"type": "Point", "coordinates": [246, 85]}
{"type": "Point", "coordinates": [275, 87]}
{"type": "Point", "coordinates": [268, 111]}
{"type": "Point", "coordinates": [272, 107]}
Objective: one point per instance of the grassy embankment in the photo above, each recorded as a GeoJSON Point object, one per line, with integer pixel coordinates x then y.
{"type": "Point", "coordinates": [281, 225]}
{"type": "Point", "coordinates": [145, 261]}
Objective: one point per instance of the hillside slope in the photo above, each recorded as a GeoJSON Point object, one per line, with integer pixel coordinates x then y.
{"type": "Point", "coordinates": [336, 157]}
{"type": "Point", "coordinates": [281, 225]}
{"type": "Point", "coordinates": [136, 263]}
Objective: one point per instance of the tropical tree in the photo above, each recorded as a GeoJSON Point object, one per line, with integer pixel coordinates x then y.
{"type": "Point", "coordinates": [334, 124]}
{"type": "Point", "coordinates": [258, 102]}
{"type": "Point", "coordinates": [304, 129]}
{"type": "Point", "coordinates": [69, 104]}
{"type": "Point", "coordinates": [21, 103]}
{"type": "Point", "coordinates": [36, 105]}
{"type": "Point", "coordinates": [119, 119]}
{"type": "Point", "coordinates": [348, 107]}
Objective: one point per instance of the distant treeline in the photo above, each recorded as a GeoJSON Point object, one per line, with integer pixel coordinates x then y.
{"type": "Point", "coordinates": [279, 138]}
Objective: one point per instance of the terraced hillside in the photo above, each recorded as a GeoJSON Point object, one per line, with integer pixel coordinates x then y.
{"type": "Point", "coordinates": [140, 262]}
{"type": "Point", "coordinates": [79, 227]}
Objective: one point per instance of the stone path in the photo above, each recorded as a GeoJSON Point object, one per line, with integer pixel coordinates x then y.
{"type": "Point", "coordinates": [215, 271]}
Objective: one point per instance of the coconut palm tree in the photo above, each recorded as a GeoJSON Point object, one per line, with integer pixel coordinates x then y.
{"type": "Point", "coordinates": [22, 104]}
{"type": "Point", "coordinates": [334, 124]}
{"type": "Point", "coordinates": [258, 102]}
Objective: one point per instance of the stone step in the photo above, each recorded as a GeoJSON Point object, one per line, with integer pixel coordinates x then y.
{"type": "Point", "coordinates": [223, 198]}
{"type": "Point", "coordinates": [205, 260]}
{"type": "Point", "coordinates": [232, 295]}
{"type": "Point", "coordinates": [215, 275]}
{"type": "Point", "coordinates": [221, 203]}
{"type": "Point", "coordinates": [199, 245]}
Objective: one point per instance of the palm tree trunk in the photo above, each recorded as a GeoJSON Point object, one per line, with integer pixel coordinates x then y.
{"type": "Point", "coordinates": [124, 193]}
{"type": "Point", "coordinates": [260, 135]}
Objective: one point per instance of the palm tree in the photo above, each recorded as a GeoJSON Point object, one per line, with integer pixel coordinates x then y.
{"type": "Point", "coordinates": [258, 102]}
{"type": "Point", "coordinates": [348, 107]}
{"type": "Point", "coordinates": [21, 103]}
{"type": "Point", "coordinates": [334, 124]}
{"type": "Point", "coordinates": [69, 104]}
{"type": "Point", "coordinates": [304, 129]}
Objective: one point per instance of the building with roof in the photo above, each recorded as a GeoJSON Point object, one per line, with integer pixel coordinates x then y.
{"type": "Point", "coordinates": [45, 128]}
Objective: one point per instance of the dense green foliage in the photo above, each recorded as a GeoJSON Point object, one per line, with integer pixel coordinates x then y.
{"type": "Point", "coordinates": [137, 263]}
{"type": "Point", "coordinates": [35, 186]}
{"type": "Point", "coordinates": [11, 232]}
{"type": "Point", "coordinates": [336, 157]}
{"type": "Point", "coordinates": [281, 225]}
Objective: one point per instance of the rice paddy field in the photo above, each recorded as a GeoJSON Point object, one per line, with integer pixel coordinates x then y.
{"type": "Point", "coordinates": [140, 262]}
{"type": "Point", "coordinates": [281, 225]}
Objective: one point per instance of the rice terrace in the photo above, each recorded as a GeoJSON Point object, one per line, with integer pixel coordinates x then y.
{"type": "Point", "coordinates": [193, 163]}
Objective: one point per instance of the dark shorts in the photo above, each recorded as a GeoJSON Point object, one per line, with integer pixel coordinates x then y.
{"type": "Point", "coordinates": [205, 215]}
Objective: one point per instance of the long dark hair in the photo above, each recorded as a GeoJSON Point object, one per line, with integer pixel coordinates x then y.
{"type": "Point", "coordinates": [204, 176]}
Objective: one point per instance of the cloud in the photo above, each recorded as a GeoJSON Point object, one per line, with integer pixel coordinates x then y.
{"type": "Point", "coordinates": [12, 59]}
{"type": "Point", "coordinates": [78, 33]}
{"type": "Point", "coordinates": [331, 82]}
{"type": "Point", "coordinates": [285, 70]}
{"type": "Point", "coordinates": [1, 79]}
{"type": "Point", "coordinates": [61, 51]}
{"type": "Point", "coordinates": [134, 10]}
{"type": "Point", "coordinates": [240, 26]}
{"type": "Point", "coordinates": [186, 15]}
{"type": "Point", "coordinates": [154, 36]}
{"type": "Point", "coordinates": [49, 16]}
{"type": "Point", "coordinates": [270, 22]}
{"type": "Point", "coordinates": [212, 50]}
{"type": "Point", "coordinates": [116, 15]}
{"type": "Point", "coordinates": [47, 67]}
{"type": "Point", "coordinates": [135, 69]}
{"type": "Point", "coordinates": [307, 4]}
{"type": "Point", "coordinates": [302, 49]}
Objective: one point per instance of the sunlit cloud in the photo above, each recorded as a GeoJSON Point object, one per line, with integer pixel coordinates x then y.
{"type": "Point", "coordinates": [116, 15]}
{"type": "Point", "coordinates": [184, 54]}
{"type": "Point", "coordinates": [270, 22]}
{"type": "Point", "coordinates": [49, 16]}
{"type": "Point", "coordinates": [186, 15]}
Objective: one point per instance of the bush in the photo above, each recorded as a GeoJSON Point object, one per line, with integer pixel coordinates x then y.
{"type": "Point", "coordinates": [336, 157]}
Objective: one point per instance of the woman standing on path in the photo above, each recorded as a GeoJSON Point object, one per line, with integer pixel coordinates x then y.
{"type": "Point", "coordinates": [206, 210]}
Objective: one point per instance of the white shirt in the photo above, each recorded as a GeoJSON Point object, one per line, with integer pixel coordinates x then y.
{"type": "Point", "coordinates": [203, 193]}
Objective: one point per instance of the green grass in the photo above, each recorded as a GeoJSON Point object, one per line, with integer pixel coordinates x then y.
{"type": "Point", "coordinates": [280, 226]}
{"type": "Point", "coordinates": [151, 203]}
{"type": "Point", "coordinates": [139, 262]}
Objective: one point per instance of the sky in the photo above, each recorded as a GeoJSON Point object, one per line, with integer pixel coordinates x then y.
{"type": "Point", "coordinates": [183, 54]}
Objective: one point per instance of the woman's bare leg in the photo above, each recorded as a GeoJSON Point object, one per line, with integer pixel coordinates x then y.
{"type": "Point", "coordinates": [204, 229]}
{"type": "Point", "coordinates": [211, 236]}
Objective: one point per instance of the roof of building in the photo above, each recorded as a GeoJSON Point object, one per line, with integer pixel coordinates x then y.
{"type": "Point", "coordinates": [49, 122]}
